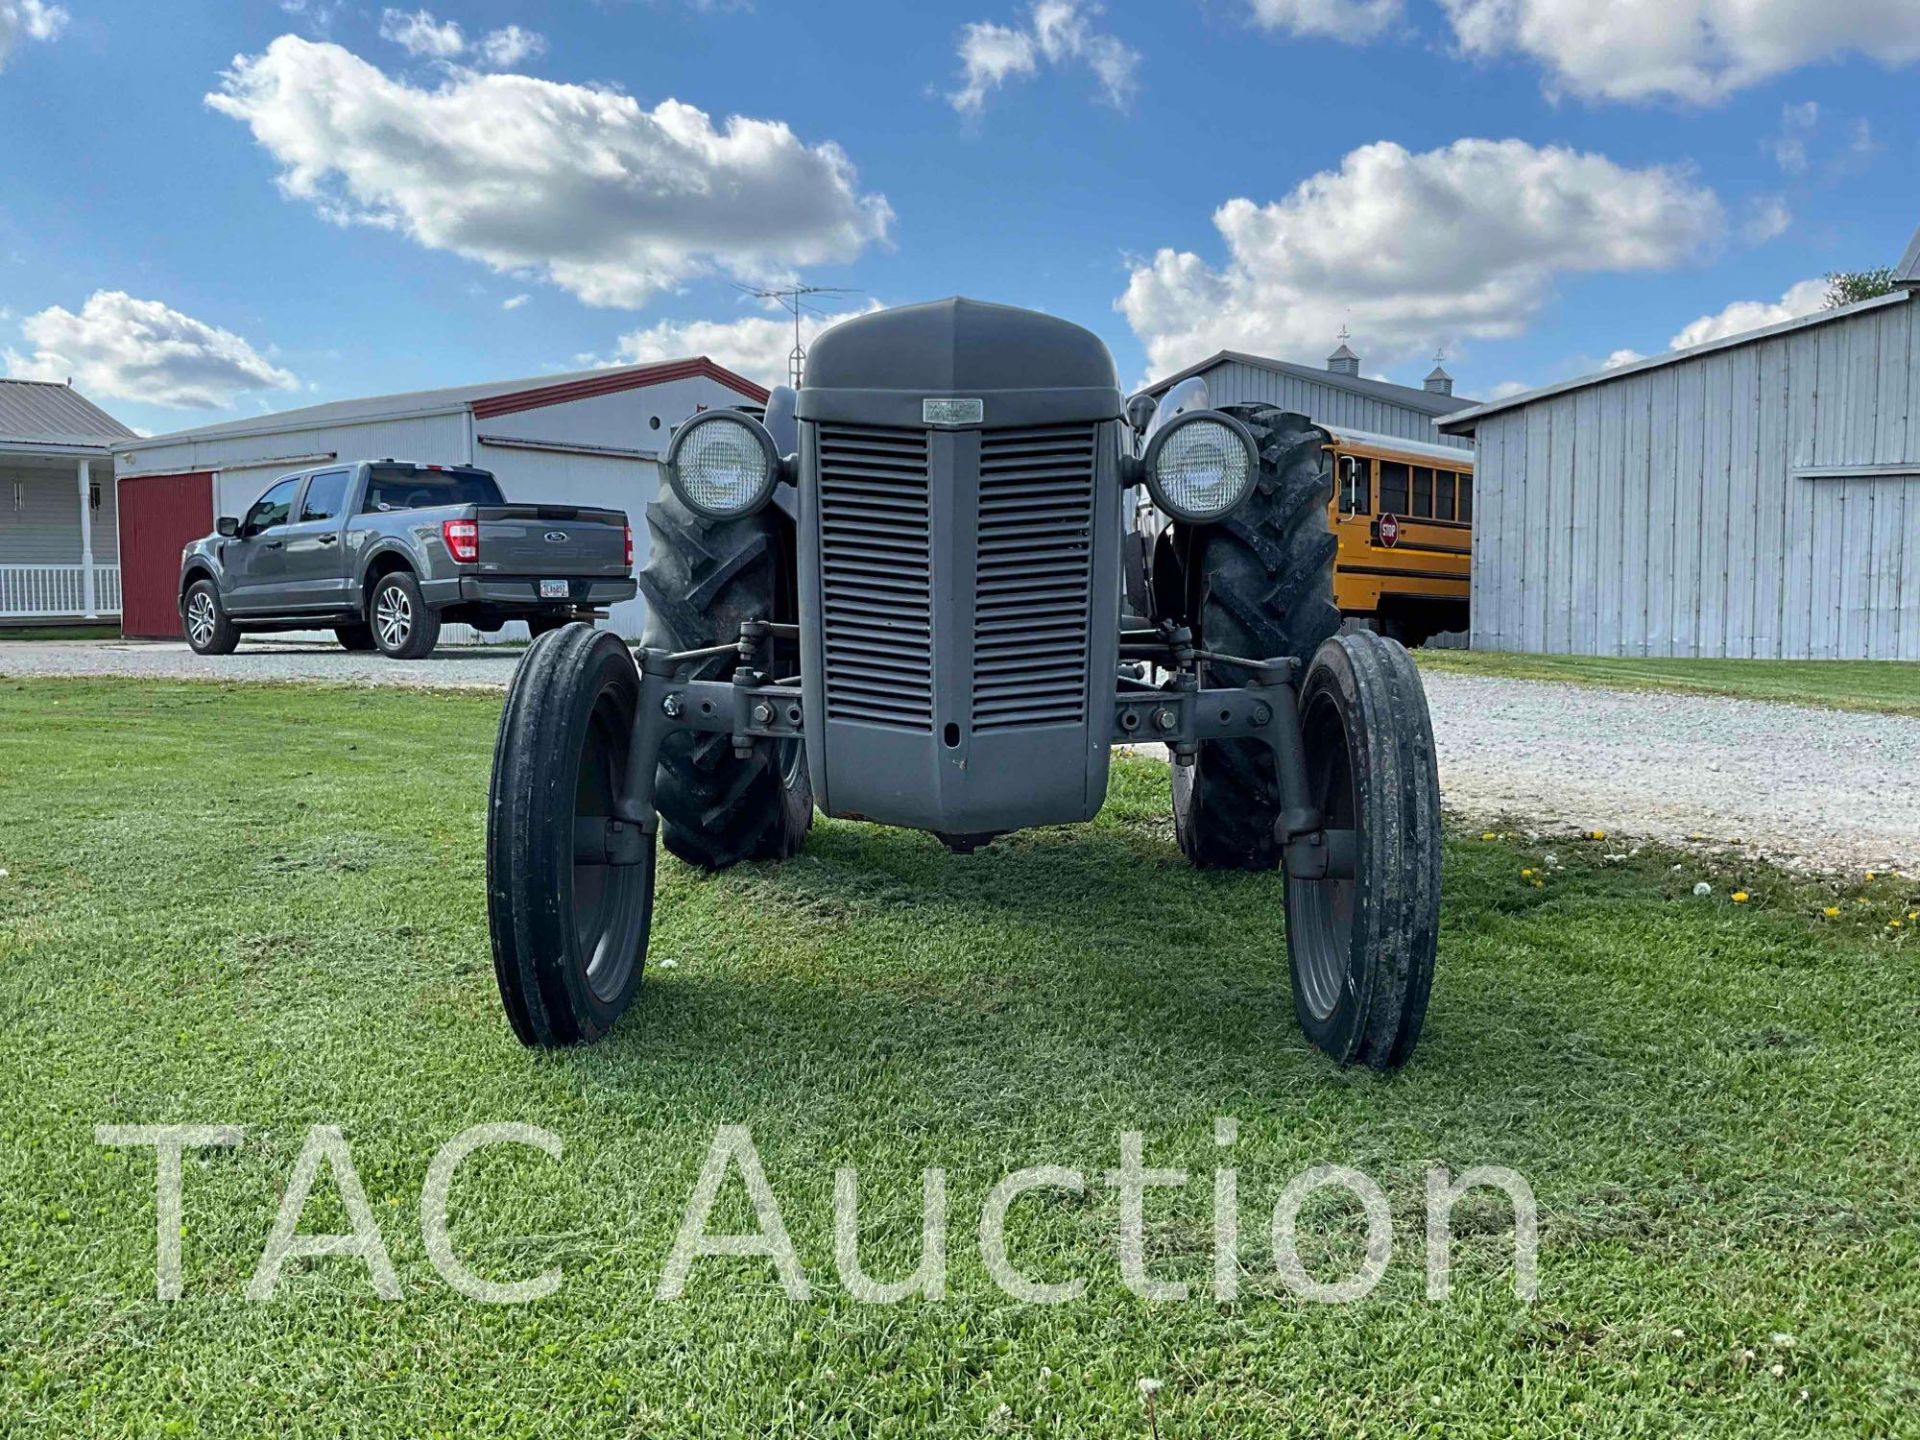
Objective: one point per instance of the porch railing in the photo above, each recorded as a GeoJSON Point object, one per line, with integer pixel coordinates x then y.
{"type": "Point", "coordinates": [41, 591]}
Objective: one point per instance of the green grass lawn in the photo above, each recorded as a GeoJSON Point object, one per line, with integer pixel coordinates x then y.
{"type": "Point", "coordinates": [59, 632]}
{"type": "Point", "coordinates": [1885, 686]}
{"type": "Point", "coordinates": [264, 907]}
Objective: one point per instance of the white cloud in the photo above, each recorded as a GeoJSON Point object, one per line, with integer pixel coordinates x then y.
{"type": "Point", "coordinates": [1797, 123]}
{"type": "Point", "coordinates": [1337, 19]}
{"type": "Point", "coordinates": [1506, 389]}
{"type": "Point", "coordinates": [144, 351]}
{"type": "Point", "coordinates": [514, 302]}
{"type": "Point", "coordinates": [1414, 249]}
{"type": "Point", "coordinates": [607, 200]}
{"type": "Point", "coordinates": [1058, 32]}
{"type": "Point", "coordinates": [27, 20]}
{"type": "Point", "coordinates": [1625, 356]}
{"type": "Point", "coordinates": [755, 346]}
{"type": "Point", "coordinates": [1744, 315]}
{"type": "Point", "coordinates": [1699, 51]}
{"type": "Point", "coordinates": [509, 45]}
{"type": "Point", "coordinates": [418, 33]}
{"type": "Point", "coordinates": [1768, 217]}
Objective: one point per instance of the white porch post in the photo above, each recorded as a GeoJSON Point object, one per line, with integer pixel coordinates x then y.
{"type": "Point", "coordinates": [86, 542]}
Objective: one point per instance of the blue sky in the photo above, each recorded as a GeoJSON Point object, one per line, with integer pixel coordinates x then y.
{"type": "Point", "coordinates": [1535, 185]}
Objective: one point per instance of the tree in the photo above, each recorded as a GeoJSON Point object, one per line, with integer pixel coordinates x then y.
{"type": "Point", "coordinates": [1850, 287]}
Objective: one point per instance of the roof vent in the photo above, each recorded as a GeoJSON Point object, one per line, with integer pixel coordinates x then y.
{"type": "Point", "coordinates": [1438, 381]}
{"type": "Point", "coordinates": [1343, 361]}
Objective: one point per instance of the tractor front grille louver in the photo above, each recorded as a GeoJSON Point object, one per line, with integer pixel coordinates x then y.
{"type": "Point", "coordinates": [1032, 582]}
{"type": "Point", "coordinates": [876, 568]}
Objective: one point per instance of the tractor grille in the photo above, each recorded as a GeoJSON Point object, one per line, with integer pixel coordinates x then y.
{"type": "Point", "coordinates": [1031, 617]}
{"type": "Point", "coordinates": [876, 575]}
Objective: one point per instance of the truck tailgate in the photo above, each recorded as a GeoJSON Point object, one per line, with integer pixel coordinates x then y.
{"type": "Point", "coordinates": [551, 540]}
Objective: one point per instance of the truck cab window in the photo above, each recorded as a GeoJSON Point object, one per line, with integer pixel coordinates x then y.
{"type": "Point", "coordinates": [272, 508]}
{"type": "Point", "coordinates": [326, 495]}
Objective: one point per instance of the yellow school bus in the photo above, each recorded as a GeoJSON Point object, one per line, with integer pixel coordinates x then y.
{"type": "Point", "coordinates": [1403, 513]}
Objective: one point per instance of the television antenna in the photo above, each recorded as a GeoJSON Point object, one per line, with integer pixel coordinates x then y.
{"type": "Point", "coordinates": [796, 300]}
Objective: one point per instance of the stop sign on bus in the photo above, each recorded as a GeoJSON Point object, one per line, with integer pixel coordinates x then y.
{"type": "Point", "coordinates": [1389, 530]}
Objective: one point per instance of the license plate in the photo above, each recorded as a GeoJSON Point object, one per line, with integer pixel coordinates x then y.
{"type": "Point", "coordinates": [555, 590]}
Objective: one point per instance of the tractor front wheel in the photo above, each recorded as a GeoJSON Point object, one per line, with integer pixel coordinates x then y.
{"type": "Point", "coordinates": [569, 888]}
{"type": "Point", "coordinates": [1362, 946]}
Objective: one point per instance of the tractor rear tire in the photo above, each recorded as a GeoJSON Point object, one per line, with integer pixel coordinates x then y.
{"type": "Point", "coordinates": [704, 578]}
{"type": "Point", "coordinates": [569, 921]}
{"type": "Point", "coordinates": [1362, 948]}
{"type": "Point", "coordinates": [1261, 587]}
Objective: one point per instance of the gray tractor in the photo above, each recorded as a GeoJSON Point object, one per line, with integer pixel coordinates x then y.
{"type": "Point", "coordinates": [913, 595]}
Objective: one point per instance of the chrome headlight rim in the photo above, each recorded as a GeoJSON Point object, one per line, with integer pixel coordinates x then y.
{"type": "Point", "coordinates": [1150, 465]}
{"type": "Point", "coordinates": [761, 436]}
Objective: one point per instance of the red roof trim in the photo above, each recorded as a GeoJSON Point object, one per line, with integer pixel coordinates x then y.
{"type": "Point", "coordinates": [613, 382]}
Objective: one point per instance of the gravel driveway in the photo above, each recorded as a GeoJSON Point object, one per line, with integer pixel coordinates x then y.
{"type": "Point", "coordinates": [471, 667]}
{"type": "Point", "coordinates": [1814, 789]}
{"type": "Point", "coordinates": [1824, 790]}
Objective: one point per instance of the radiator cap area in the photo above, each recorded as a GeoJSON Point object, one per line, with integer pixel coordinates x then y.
{"type": "Point", "coordinates": [959, 345]}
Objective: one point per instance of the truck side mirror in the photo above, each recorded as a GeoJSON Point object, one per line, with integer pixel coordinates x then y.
{"type": "Point", "coordinates": [228, 526]}
{"type": "Point", "coordinates": [1140, 412]}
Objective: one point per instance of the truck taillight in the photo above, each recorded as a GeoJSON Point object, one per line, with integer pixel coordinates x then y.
{"type": "Point", "coordinates": [629, 530]}
{"type": "Point", "coordinates": [463, 539]}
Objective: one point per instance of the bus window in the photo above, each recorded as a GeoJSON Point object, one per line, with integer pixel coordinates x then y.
{"type": "Point", "coordinates": [1393, 487]}
{"type": "Point", "coordinates": [1356, 484]}
{"type": "Point", "coordinates": [1443, 494]}
{"type": "Point", "coordinates": [1422, 492]}
{"type": "Point", "coordinates": [1466, 499]}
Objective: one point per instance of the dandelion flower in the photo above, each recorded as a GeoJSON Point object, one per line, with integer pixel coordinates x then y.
{"type": "Point", "coordinates": [1487, 835]}
{"type": "Point", "coordinates": [667, 964]}
{"type": "Point", "coordinates": [1147, 1386]}
{"type": "Point", "coordinates": [1870, 875]}
{"type": "Point", "coordinates": [1831, 911]}
{"type": "Point", "coordinates": [1740, 897]}
{"type": "Point", "coordinates": [1779, 1371]}
{"type": "Point", "coordinates": [1526, 873]}
{"type": "Point", "coordinates": [1702, 888]}
{"type": "Point", "coordinates": [1596, 835]}
{"type": "Point", "coordinates": [1893, 924]}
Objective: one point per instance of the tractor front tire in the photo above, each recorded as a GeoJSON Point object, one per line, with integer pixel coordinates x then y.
{"type": "Point", "coordinates": [702, 580]}
{"type": "Point", "coordinates": [1362, 947]}
{"type": "Point", "coordinates": [569, 896]}
{"type": "Point", "coordinates": [1260, 585]}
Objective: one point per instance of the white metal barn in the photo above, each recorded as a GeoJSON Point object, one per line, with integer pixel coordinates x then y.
{"type": "Point", "coordinates": [588, 438]}
{"type": "Point", "coordinates": [1757, 497]}
{"type": "Point", "coordinates": [1338, 396]}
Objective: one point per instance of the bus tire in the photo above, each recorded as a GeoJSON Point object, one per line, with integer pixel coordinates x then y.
{"type": "Point", "coordinates": [1260, 585]}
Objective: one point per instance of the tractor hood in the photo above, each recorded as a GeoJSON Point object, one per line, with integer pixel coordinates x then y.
{"type": "Point", "coordinates": [879, 367]}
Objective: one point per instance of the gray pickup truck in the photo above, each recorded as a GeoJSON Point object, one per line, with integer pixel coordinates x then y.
{"type": "Point", "coordinates": [384, 551]}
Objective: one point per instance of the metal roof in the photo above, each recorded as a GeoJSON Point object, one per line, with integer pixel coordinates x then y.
{"type": "Point", "coordinates": [1412, 399]}
{"type": "Point", "coordinates": [1463, 421]}
{"type": "Point", "coordinates": [43, 412]}
{"type": "Point", "coordinates": [499, 397]}
{"type": "Point", "coordinates": [1452, 457]}
{"type": "Point", "coordinates": [1908, 272]}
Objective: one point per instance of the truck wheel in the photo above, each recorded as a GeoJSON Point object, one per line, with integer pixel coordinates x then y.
{"type": "Point", "coordinates": [1362, 949]}
{"type": "Point", "coordinates": [209, 632]}
{"type": "Point", "coordinates": [702, 579]}
{"type": "Point", "coordinates": [404, 628]}
{"type": "Point", "coordinates": [357, 638]}
{"type": "Point", "coordinates": [569, 896]}
{"type": "Point", "coordinates": [1260, 585]}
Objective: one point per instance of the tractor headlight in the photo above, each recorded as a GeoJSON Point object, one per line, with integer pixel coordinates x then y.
{"type": "Point", "coordinates": [722, 464]}
{"type": "Point", "coordinates": [1200, 465]}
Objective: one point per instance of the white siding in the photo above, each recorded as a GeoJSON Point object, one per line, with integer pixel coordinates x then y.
{"type": "Point", "coordinates": [1660, 512]}
{"type": "Point", "coordinates": [45, 529]}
